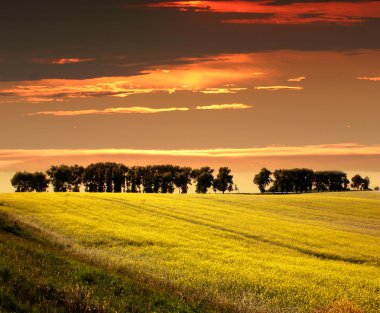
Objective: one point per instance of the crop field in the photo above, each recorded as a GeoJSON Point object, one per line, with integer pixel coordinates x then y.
{"type": "Point", "coordinates": [231, 253]}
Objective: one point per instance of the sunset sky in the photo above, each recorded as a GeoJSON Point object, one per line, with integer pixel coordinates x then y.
{"type": "Point", "coordinates": [246, 84]}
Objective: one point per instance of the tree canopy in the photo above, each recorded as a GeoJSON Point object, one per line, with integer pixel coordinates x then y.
{"type": "Point", "coordinates": [224, 180]}
{"type": "Point", "coordinates": [299, 180]}
{"type": "Point", "coordinates": [360, 183]}
{"type": "Point", "coordinates": [117, 177]}
{"type": "Point", "coordinates": [263, 179]}
{"type": "Point", "coordinates": [28, 182]}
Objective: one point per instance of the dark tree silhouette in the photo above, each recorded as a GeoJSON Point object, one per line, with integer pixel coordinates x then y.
{"type": "Point", "coordinates": [224, 180]}
{"type": "Point", "coordinates": [108, 177]}
{"type": "Point", "coordinates": [114, 177]}
{"type": "Point", "coordinates": [61, 177]}
{"type": "Point", "coordinates": [28, 182]}
{"type": "Point", "coordinates": [330, 181]}
{"type": "Point", "coordinates": [23, 182]}
{"type": "Point", "coordinates": [203, 178]}
{"type": "Point", "coordinates": [357, 182]}
{"type": "Point", "coordinates": [40, 182]}
{"type": "Point", "coordinates": [118, 177]}
{"type": "Point", "coordinates": [77, 175]}
{"type": "Point", "coordinates": [263, 179]}
{"type": "Point", "coordinates": [301, 180]}
{"type": "Point", "coordinates": [182, 179]}
{"type": "Point", "coordinates": [365, 183]}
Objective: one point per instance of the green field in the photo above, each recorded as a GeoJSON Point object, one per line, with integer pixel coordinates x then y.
{"type": "Point", "coordinates": [231, 253]}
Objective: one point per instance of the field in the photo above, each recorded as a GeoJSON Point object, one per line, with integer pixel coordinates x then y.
{"type": "Point", "coordinates": [195, 253]}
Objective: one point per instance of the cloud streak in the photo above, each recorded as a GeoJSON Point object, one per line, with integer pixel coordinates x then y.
{"type": "Point", "coordinates": [344, 149]}
{"type": "Point", "coordinates": [297, 79]}
{"type": "Point", "coordinates": [277, 88]}
{"type": "Point", "coordinates": [232, 106]}
{"type": "Point", "coordinates": [131, 110]}
{"type": "Point", "coordinates": [140, 110]}
{"type": "Point", "coordinates": [61, 61]}
{"type": "Point", "coordinates": [222, 90]}
{"type": "Point", "coordinates": [373, 79]}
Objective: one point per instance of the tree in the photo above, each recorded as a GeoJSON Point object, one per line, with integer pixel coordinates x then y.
{"type": "Point", "coordinates": [133, 179]}
{"type": "Point", "coordinates": [203, 178]}
{"type": "Point", "coordinates": [77, 177]}
{"type": "Point", "coordinates": [40, 182]}
{"type": "Point", "coordinates": [330, 181]}
{"type": "Point", "coordinates": [182, 179]}
{"type": "Point", "coordinates": [357, 182]}
{"type": "Point", "coordinates": [377, 188]}
{"type": "Point", "coordinates": [22, 181]}
{"type": "Point", "coordinates": [167, 183]}
{"type": "Point", "coordinates": [365, 183]}
{"type": "Point", "coordinates": [224, 180]}
{"type": "Point", "coordinates": [94, 177]}
{"type": "Point", "coordinates": [263, 179]}
{"type": "Point", "coordinates": [337, 181]}
{"type": "Point", "coordinates": [148, 179]}
{"type": "Point", "coordinates": [28, 182]}
{"type": "Point", "coordinates": [118, 177]}
{"type": "Point", "coordinates": [282, 182]}
{"type": "Point", "coordinates": [61, 177]}
{"type": "Point", "coordinates": [89, 178]}
{"type": "Point", "coordinates": [65, 178]}
{"type": "Point", "coordinates": [236, 188]}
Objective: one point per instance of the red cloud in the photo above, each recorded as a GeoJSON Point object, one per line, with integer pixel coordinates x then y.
{"type": "Point", "coordinates": [343, 13]}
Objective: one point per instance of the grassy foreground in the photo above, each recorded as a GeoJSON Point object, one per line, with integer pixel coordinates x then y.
{"type": "Point", "coordinates": [186, 253]}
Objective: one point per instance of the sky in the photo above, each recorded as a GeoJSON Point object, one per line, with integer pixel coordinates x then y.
{"type": "Point", "coordinates": [244, 84]}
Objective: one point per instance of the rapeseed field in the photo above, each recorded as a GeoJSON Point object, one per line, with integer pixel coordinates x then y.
{"type": "Point", "coordinates": [242, 253]}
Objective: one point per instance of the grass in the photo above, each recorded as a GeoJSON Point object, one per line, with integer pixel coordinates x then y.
{"type": "Point", "coordinates": [231, 253]}
{"type": "Point", "coordinates": [37, 276]}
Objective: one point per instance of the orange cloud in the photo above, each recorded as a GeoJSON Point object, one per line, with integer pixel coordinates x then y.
{"type": "Point", "coordinates": [374, 79]}
{"type": "Point", "coordinates": [210, 75]}
{"type": "Point", "coordinates": [218, 75]}
{"type": "Point", "coordinates": [233, 106]}
{"type": "Point", "coordinates": [297, 79]}
{"type": "Point", "coordinates": [39, 100]}
{"type": "Point", "coordinates": [131, 110]}
{"type": "Point", "coordinates": [276, 88]}
{"type": "Point", "coordinates": [344, 13]}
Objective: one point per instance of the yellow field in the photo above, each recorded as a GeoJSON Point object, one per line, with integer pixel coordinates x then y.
{"type": "Point", "coordinates": [249, 253]}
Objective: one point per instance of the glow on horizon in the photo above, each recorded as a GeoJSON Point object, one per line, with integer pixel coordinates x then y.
{"type": "Point", "coordinates": [328, 149]}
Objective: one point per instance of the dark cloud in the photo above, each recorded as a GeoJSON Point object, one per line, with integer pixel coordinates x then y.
{"type": "Point", "coordinates": [124, 39]}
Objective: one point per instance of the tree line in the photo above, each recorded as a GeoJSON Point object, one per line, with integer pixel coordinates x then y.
{"type": "Point", "coordinates": [300, 180]}
{"type": "Point", "coordinates": [116, 177]}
